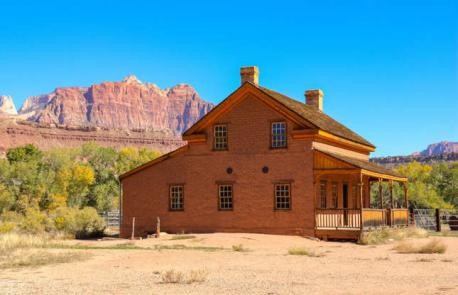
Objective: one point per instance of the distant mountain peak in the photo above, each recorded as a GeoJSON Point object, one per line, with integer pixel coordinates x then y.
{"type": "Point", "coordinates": [7, 105]}
{"type": "Point", "coordinates": [132, 79]}
{"type": "Point", "coordinates": [443, 147]}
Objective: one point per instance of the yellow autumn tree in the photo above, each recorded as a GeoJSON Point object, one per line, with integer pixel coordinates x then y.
{"type": "Point", "coordinates": [82, 177]}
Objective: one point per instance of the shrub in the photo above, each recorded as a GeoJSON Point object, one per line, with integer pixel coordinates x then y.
{"type": "Point", "coordinates": [34, 222]}
{"type": "Point", "coordinates": [7, 227]}
{"type": "Point", "coordinates": [433, 246]}
{"type": "Point", "coordinates": [177, 277]}
{"type": "Point", "coordinates": [303, 251]}
{"type": "Point", "coordinates": [383, 235]}
{"type": "Point", "coordinates": [239, 248]}
{"type": "Point", "coordinates": [81, 223]}
{"type": "Point", "coordinates": [197, 276]}
{"type": "Point", "coordinates": [172, 277]}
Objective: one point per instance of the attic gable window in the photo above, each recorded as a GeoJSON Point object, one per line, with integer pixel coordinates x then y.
{"type": "Point", "coordinates": [220, 137]}
{"type": "Point", "coordinates": [278, 135]}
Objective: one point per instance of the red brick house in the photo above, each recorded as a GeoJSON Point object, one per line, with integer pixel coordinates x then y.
{"type": "Point", "coordinates": [262, 162]}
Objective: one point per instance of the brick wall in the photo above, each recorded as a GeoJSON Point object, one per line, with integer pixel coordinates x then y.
{"type": "Point", "coordinates": [199, 169]}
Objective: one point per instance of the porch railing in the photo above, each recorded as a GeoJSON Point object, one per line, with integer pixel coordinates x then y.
{"type": "Point", "coordinates": [399, 217]}
{"type": "Point", "coordinates": [373, 217]}
{"type": "Point", "coordinates": [338, 218]}
{"type": "Point", "coordinates": [353, 218]}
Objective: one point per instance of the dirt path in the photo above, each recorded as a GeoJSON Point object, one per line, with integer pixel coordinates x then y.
{"type": "Point", "coordinates": [344, 268]}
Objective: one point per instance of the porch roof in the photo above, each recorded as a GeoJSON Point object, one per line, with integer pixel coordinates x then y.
{"type": "Point", "coordinates": [368, 168]}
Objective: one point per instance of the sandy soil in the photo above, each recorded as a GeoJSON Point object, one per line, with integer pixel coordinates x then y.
{"type": "Point", "coordinates": [344, 268]}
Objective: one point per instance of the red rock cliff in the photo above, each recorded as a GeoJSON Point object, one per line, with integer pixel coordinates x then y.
{"type": "Point", "coordinates": [129, 104]}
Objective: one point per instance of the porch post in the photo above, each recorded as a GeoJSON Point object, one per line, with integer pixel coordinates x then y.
{"type": "Point", "coordinates": [406, 204]}
{"type": "Point", "coordinates": [361, 199]}
{"type": "Point", "coordinates": [391, 194]}
{"type": "Point", "coordinates": [380, 192]}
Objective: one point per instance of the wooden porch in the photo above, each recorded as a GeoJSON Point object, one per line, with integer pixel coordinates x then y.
{"type": "Point", "coordinates": [349, 223]}
{"type": "Point", "coordinates": [354, 195]}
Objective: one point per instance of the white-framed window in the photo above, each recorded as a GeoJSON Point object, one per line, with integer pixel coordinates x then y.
{"type": "Point", "coordinates": [176, 197]}
{"type": "Point", "coordinates": [225, 194]}
{"type": "Point", "coordinates": [220, 137]}
{"type": "Point", "coordinates": [282, 196]}
{"type": "Point", "coordinates": [278, 135]}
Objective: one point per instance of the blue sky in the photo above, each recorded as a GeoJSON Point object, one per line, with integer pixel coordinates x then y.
{"type": "Point", "coordinates": [389, 69]}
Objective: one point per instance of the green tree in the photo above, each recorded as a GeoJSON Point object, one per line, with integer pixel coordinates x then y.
{"type": "Point", "coordinates": [445, 178]}
{"type": "Point", "coordinates": [24, 153]}
{"type": "Point", "coordinates": [422, 192]}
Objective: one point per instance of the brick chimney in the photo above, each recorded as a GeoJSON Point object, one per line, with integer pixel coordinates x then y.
{"type": "Point", "coordinates": [314, 98]}
{"type": "Point", "coordinates": [249, 74]}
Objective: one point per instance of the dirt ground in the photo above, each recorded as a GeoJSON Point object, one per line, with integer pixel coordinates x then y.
{"type": "Point", "coordinates": [266, 268]}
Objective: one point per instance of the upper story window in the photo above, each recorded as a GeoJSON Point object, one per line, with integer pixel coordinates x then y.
{"type": "Point", "coordinates": [176, 197]}
{"type": "Point", "coordinates": [278, 135]}
{"type": "Point", "coordinates": [225, 196]}
{"type": "Point", "coordinates": [282, 196]}
{"type": "Point", "coordinates": [323, 193]}
{"type": "Point", "coordinates": [220, 137]}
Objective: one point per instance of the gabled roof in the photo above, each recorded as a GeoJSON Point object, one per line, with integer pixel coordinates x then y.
{"type": "Point", "coordinates": [318, 119]}
{"type": "Point", "coordinates": [366, 165]}
{"type": "Point", "coordinates": [153, 162]}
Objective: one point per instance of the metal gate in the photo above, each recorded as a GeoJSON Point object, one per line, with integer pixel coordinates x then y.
{"type": "Point", "coordinates": [436, 219]}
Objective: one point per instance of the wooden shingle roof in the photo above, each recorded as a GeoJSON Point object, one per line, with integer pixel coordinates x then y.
{"type": "Point", "coordinates": [317, 118]}
{"type": "Point", "coordinates": [366, 165]}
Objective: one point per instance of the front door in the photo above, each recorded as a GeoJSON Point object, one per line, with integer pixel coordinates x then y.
{"type": "Point", "coordinates": [345, 202]}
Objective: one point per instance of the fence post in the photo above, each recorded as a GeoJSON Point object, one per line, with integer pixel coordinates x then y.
{"type": "Point", "coordinates": [438, 220]}
{"type": "Point", "coordinates": [412, 217]}
{"type": "Point", "coordinates": [158, 227]}
{"type": "Point", "coordinates": [133, 228]}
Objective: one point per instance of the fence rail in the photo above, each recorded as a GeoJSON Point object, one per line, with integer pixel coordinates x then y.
{"type": "Point", "coordinates": [435, 219]}
{"type": "Point", "coordinates": [112, 218]}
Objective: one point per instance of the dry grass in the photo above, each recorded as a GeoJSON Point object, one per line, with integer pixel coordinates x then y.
{"type": "Point", "coordinates": [39, 258]}
{"type": "Point", "coordinates": [303, 251]}
{"type": "Point", "coordinates": [382, 258]}
{"type": "Point", "coordinates": [411, 247]}
{"type": "Point", "coordinates": [11, 242]}
{"type": "Point", "coordinates": [239, 248]}
{"type": "Point", "coordinates": [172, 277]}
{"type": "Point", "coordinates": [424, 260]}
{"type": "Point", "coordinates": [384, 235]}
{"type": "Point", "coordinates": [178, 277]}
{"type": "Point", "coordinates": [197, 276]}
{"type": "Point", "coordinates": [182, 237]}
